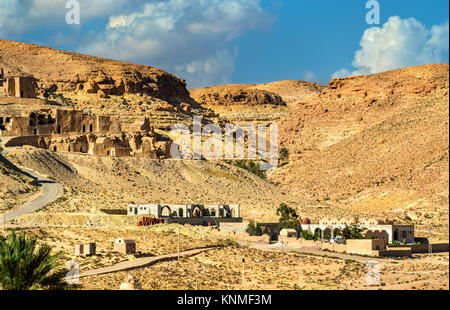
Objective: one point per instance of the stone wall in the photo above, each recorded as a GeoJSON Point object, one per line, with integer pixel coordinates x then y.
{"type": "Point", "coordinates": [423, 248]}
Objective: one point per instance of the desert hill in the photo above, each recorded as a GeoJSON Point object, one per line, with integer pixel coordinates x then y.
{"type": "Point", "coordinates": [68, 72]}
{"type": "Point", "coordinates": [15, 187]}
{"type": "Point", "coordinates": [96, 183]}
{"type": "Point", "coordinates": [276, 93]}
{"type": "Point", "coordinates": [103, 86]}
{"type": "Point", "coordinates": [250, 103]}
{"type": "Point", "coordinates": [377, 142]}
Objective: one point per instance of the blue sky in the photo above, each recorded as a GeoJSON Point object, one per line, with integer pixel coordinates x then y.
{"type": "Point", "coordinates": [240, 41]}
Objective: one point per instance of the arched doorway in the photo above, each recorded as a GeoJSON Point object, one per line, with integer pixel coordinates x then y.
{"type": "Point", "coordinates": [318, 233]}
{"type": "Point", "coordinates": [197, 212]}
{"type": "Point", "coordinates": [166, 211]}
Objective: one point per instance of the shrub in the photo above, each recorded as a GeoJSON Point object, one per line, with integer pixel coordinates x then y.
{"type": "Point", "coordinates": [251, 166]}
{"type": "Point", "coordinates": [305, 234]}
{"type": "Point", "coordinates": [284, 153]}
{"type": "Point", "coordinates": [254, 229]}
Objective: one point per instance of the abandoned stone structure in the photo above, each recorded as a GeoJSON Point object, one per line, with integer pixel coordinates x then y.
{"type": "Point", "coordinates": [75, 131]}
{"type": "Point", "coordinates": [378, 229]}
{"type": "Point", "coordinates": [189, 214]}
{"type": "Point", "coordinates": [17, 86]}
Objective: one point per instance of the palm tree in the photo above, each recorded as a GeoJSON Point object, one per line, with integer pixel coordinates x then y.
{"type": "Point", "coordinates": [23, 265]}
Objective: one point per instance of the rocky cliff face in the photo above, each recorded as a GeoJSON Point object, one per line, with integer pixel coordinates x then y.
{"type": "Point", "coordinates": [69, 72]}
{"type": "Point", "coordinates": [232, 95]}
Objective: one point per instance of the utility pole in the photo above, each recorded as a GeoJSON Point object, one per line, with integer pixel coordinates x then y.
{"type": "Point", "coordinates": [243, 272]}
{"type": "Point", "coordinates": [179, 250]}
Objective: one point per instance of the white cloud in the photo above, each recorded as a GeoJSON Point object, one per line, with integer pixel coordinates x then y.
{"type": "Point", "coordinates": [190, 38]}
{"type": "Point", "coordinates": [310, 76]}
{"type": "Point", "coordinates": [19, 16]}
{"type": "Point", "coordinates": [399, 43]}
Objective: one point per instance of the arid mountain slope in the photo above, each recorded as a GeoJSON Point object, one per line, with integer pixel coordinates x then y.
{"type": "Point", "coordinates": [67, 72]}
{"type": "Point", "coordinates": [378, 142]}
{"type": "Point", "coordinates": [93, 183]}
{"type": "Point", "coordinates": [103, 86]}
{"type": "Point", "coordinates": [275, 93]}
{"type": "Point", "coordinates": [15, 187]}
{"type": "Point", "coordinates": [261, 103]}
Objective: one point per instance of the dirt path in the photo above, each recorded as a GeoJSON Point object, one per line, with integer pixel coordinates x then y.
{"type": "Point", "coordinates": [50, 191]}
{"type": "Point", "coordinates": [142, 262]}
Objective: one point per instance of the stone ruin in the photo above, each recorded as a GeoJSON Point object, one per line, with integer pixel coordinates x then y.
{"type": "Point", "coordinates": [17, 86]}
{"type": "Point", "coordinates": [75, 131]}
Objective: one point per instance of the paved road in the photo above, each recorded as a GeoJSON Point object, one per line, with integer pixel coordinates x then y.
{"type": "Point", "coordinates": [50, 191]}
{"type": "Point", "coordinates": [142, 262]}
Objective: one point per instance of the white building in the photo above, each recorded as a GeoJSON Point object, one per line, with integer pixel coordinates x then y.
{"type": "Point", "coordinates": [184, 211]}
{"type": "Point", "coordinates": [374, 227]}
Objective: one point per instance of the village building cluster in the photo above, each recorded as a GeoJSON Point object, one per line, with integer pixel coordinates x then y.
{"type": "Point", "coordinates": [74, 131]}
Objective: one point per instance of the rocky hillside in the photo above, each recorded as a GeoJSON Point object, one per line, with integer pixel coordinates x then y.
{"type": "Point", "coordinates": [378, 142]}
{"type": "Point", "coordinates": [15, 187]}
{"type": "Point", "coordinates": [275, 94]}
{"type": "Point", "coordinates": [234, 95]}
{"type": "Point", "coordinates": [68, 72]}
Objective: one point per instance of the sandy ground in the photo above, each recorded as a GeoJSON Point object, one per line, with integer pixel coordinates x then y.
{"type": "Point", "coordinates": [221, 269]}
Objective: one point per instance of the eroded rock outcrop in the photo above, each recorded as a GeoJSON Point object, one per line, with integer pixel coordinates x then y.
{"type": "Point", "coordinates": [70, 72]}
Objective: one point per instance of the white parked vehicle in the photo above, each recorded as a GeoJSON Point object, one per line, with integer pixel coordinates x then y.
{"type": "Point", "coordinates": [337, 240]}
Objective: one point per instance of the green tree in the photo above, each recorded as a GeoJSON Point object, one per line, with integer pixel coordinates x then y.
{"type": "Point", "coordinates": [288, 217]}
{"type": "Point", "coordinates": [24, 265]}
{"type": "Point", "coordinates": [327, 233]}
{"type": "Point", "coordinates": [355, 231]}
{"type": "Point", "coordinates": [284, 154]}
{"type": "Point", "coordinates": [254, 229]}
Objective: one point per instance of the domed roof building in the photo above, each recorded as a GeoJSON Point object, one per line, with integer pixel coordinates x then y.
{"type": "Point", "coordinates": [306, 221]}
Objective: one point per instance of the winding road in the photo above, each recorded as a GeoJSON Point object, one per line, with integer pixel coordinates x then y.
{"type": "Point", "coordinates": [50, 191]}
